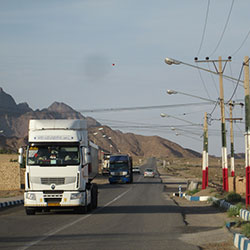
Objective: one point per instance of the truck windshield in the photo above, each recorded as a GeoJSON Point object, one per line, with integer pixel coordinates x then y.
{"type": "Point", "coordinates": [47, 155]}
{"type": "Point", "coordinates": [123, 166]}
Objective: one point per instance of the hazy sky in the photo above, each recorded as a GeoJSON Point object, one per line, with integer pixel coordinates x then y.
{"type": "Point", "coordinates": [64, 50]}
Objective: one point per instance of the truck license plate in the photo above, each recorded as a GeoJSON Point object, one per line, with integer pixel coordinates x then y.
{"type": "Point", "coordinates": [54, 204]}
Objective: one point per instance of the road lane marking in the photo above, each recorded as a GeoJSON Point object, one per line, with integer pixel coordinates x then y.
{"type": "Point", "coordinates": [47, 235]}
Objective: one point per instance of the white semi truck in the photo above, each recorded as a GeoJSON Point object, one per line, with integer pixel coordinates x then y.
{"type": "Point", "coordinates": [60, 165]}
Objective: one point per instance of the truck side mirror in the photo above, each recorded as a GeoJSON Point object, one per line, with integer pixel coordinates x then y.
{"type": "Point", "coordinates": [85, 156]}
{"type": "Point", "coordinates": [20, 156]}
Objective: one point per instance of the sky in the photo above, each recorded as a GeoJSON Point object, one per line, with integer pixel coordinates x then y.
{"type": "Point", "coordinates": [109, 54]}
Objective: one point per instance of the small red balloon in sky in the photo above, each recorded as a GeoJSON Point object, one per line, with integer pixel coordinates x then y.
{"type": "Point", "coordinates": [113, 64]}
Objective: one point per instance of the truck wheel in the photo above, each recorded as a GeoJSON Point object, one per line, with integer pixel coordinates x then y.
{"type": "Point", "coordinates": [30, 211]}
{"type": "Point", "coordinates": [94, 196]}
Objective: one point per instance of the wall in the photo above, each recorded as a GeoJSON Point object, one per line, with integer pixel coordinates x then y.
{"type": "Point", "coordinates": [9, 172]}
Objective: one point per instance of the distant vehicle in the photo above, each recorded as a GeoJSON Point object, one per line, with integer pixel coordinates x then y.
{"type": "Point", "coordinates": [120, 169]}
{"type": "Point", "coordinates": [136, 170]}
{"type": "Point", "coordinates": [105, 164]}
{"type": "Point", "coordinates": [149, 173]}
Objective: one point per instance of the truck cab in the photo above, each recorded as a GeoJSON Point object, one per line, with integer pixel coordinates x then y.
{"type": "Point", "coordinates": [120, 169]}
{"type": "Point", "coordinates": [60, 166]}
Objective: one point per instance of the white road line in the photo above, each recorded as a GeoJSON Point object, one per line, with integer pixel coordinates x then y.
{"type": "Point", "coordinates": [47, 235]}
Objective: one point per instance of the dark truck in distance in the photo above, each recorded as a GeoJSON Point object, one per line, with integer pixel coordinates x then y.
{"type": "Point", "coordinates": [120, 169]}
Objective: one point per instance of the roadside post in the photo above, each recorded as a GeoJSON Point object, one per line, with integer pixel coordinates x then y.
{"type": "Point", "coordinates": [247, 128]}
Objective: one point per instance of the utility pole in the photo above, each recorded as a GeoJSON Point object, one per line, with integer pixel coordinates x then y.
{"type": "Point", "coordinates": [232, 138]}
{"type": "Point", "coordinates": [205, 155]}
{"type": "Point", "coordinates": [247, 128]}
{"type": "Point", "coordinates": [220, 71]}
{"type": "Point", "coordinates": [231, 119]}
{"type": "Point", "coordinates": [223, 130]}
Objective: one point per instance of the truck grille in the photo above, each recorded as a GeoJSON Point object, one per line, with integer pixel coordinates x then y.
{"type": "Point", "coordinates": [49, 181]}
{"type": "Point", "coordinates": [53, 180]}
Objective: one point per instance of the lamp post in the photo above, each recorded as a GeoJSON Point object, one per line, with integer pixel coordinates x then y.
{"type": "Point", "coordinates": [223, 130]}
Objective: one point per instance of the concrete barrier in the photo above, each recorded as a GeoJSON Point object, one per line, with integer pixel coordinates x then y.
{"type": "Point", "coordinates": [244, 214]}
{"type": "Point", "coordinates": [241, 242]}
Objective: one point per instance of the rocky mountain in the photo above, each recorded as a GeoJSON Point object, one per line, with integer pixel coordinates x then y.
{"type": "Point", "coordinates": [8, 105]}
{"type": "Point", "coordinates": [14, 119]}
{"type": "Point", "coordinates": [137, 145]}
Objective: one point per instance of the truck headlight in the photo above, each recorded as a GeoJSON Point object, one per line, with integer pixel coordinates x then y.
{"type": "Point", "coordinates": [75, 196]}
{"type": "Point", "coordinates": [31, 196]}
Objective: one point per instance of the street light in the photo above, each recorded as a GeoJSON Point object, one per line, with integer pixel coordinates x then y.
{"type": "Point", "coordinates": [174, 92]}
{"type": "Point", "coordinates": [171, 61]}
{"type": "Point", "coordinates": [177, 118]}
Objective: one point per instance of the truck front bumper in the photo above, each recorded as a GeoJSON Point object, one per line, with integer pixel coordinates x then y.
{"type": "Point", "coordinates": [50, 199]}
{"type": "Point", "coordinates": [119, 179]}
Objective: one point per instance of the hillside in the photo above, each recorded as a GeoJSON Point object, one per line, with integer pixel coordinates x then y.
{"type": "Point", "coordinates": [14, 119]}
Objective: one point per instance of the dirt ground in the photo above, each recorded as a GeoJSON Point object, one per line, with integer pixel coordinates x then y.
{"type": "Point", "coordinates": [192, 168]}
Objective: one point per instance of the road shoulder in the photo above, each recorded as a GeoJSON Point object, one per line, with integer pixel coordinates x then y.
{"type": "Point", "coordinates": [205, 224]}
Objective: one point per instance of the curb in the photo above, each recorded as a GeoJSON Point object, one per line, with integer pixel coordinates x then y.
{"type": "Point", "coordinates": [10, 203]}
{"type": "Point", "coordinates": [197, 198]}
{"type": "Point", "coordinates": [179, 194]}
{"type": "Point", "coordinates": [244, 214]}
{"type": "Point", "coordinates": [241, 242]}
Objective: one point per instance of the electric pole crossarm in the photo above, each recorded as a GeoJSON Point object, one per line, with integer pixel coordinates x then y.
{"type": "Point", "coordinates": [213, 72]}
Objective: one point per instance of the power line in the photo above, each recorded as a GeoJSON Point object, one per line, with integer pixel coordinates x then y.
{"type": "Point", "coordinates": [142, 107]}
{"type": "Point", "coordinates": [212, 77]}
{"type": "Point", "coordinates": [204, 85]}
{"type": "Point", "coordinates": [236, 84]}
{"type": "Point", "coordinates": [204, 28]}
{"type": "Point", "coordinates": [223, 32]}
{"type": "Point", "coordinates": [236, 51]}
{"type": "Point", "coordinates": [231, 72]}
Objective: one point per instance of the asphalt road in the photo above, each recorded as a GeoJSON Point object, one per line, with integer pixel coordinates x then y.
{"type": "Point", "coordinates": [129, 216]}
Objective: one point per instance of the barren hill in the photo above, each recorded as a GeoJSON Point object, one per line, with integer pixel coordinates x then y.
{"type": "Point", "coordinates": [14, 119]}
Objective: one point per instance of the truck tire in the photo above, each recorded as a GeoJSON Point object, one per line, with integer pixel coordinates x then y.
{"type": "Point", "coordinates": [30, 211]}
{"type": "Point", "coordinates": [94, 196]}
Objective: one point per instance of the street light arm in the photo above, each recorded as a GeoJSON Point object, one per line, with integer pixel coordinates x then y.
{"type": "Point", "coordinates": [171, 61]}
{"type": "Point", "coordinates": [170, 92]}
